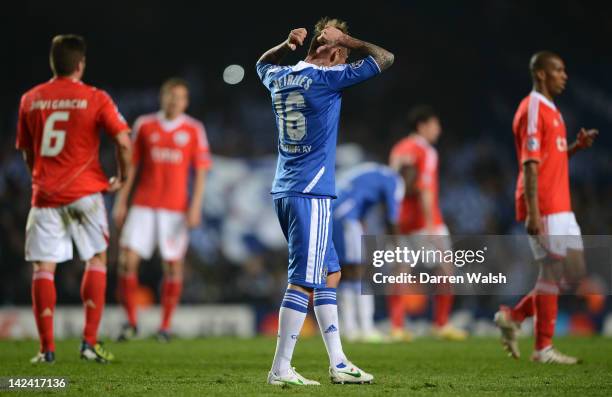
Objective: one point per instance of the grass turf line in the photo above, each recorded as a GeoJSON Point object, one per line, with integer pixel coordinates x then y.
{"type": "Point", "coordinates": [227, 366]}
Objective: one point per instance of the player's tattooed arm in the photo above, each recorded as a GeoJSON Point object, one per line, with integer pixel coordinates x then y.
{"type": "Point", "coordinates": [533, 223]}
{"type": "Point", "coordinates": [276, 54]}
{"type": "Point", "coordinates": [331, 36]}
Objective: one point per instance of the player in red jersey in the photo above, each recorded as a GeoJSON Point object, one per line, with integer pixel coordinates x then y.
{"type": "Point", "coordinates": [166, 145]}
{"type": "Point", "coordinates": [543, 203]}
{"type": "Point", "coordinates": [415, 158]}
{"type": "Point", "coordinates": [58, 135]}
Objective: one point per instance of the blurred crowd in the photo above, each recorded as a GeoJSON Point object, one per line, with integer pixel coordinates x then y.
{"type": "Point", "coordinates": [239, 254]}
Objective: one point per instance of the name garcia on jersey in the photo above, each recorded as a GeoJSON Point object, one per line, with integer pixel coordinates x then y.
{"type": "Point", "coordinates": [44, 104]}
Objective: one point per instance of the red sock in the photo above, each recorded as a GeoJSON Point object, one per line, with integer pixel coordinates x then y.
{"type": "Point", "coordinates": [43, 306]}
{"type": "Point", "coordinates": [128, 285]}
{"type": "Point", "coordinates": [442, 308]}
{"type": "Point", "coordinates": [524, 309]}
{"type": "Point", "coordinates": [545, 313]}
{"type": "Point", "coordinates": [396, 311]}
{"type": "Point", "coordinates": [93, 291]}
{"type": "Point", "coordinates": [171, 294]}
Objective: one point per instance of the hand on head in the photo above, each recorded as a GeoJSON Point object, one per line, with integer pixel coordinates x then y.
{"type": "Point", "coordinates": [329, 37]}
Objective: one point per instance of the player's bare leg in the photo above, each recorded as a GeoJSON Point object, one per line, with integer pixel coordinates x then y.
{"type": "Point", "coordinates": [43, 307]}
{"type": "Point", "coordinates": [172, 286]}
{"type": "Point", "coordinates": [443, 304]}
{"type": "Point", "coordinates": [93, 292]}
{"type": "Point", "coordinates": [129, 262]}
{"type": "Point", "coordinates": [574, 270]}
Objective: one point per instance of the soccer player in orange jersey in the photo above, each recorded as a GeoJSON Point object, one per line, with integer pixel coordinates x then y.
{"type": "Point", "coordinates": [167, 145]}
{"type": "Point", "coordinates": [543, 203]}
{"type": "Point", "coordinates": [416, 159]}
{"type": "Point", "coordinates": [58, 135]}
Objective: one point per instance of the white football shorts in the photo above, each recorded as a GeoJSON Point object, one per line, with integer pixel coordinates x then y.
{"type": "Point", "coordinates": [148, 228]}
{"type": "Point", "coordinates": [561, 232]}
{"type": "Point", "coordinates": [51, 232]}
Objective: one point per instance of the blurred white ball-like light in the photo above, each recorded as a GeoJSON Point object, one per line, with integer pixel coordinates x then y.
{"type": "Point", "coordinates": [233, 74]}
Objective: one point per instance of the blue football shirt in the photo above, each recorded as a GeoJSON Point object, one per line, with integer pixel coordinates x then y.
{"type": "Point", "coordinates": [365, 186]}
{"type": "Point", "coordinates": [306, 102]}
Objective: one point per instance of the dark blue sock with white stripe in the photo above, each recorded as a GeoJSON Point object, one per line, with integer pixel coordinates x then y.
{"type": "Point", "coordinates": [290, 320]}
{"type": "Point", "coordinates": [326, 311]}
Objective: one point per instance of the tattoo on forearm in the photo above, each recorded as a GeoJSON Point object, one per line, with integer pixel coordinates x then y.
{"type": "Point", "coordinates": [383, 58]}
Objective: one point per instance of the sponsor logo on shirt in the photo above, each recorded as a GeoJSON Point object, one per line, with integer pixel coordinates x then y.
{"type": "Point", "coordinates": [357, 64]}
{"type": "Point", "coordinates": [166, 155]}
{"type": "Point", "coordinates": [181, 138]}
{"type": "Point", "coordinates": [561, 144]}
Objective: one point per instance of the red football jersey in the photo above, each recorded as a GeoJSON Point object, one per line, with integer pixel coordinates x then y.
{"type": "Point", "coordinates": [59, 122]}
{"type": "Point", "coordinates": [164, 151]}
{"type": "Point", "coordinates": [415, 151]}
{"type": "Point", "coordinates": [540, 135]}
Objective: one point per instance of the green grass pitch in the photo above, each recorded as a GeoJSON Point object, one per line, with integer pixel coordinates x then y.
{"type": "Point", "coordinates": [238, 367]}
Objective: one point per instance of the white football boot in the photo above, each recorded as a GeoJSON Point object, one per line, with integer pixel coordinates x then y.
{"type": "Point", "coordinates": [509, 331]}
{"type": "Point", "coordinates": [349, 373]}
{"type": "Point", "coordinates": [290, 378]}
{"type": "Point", "coordinates": [550, 355]}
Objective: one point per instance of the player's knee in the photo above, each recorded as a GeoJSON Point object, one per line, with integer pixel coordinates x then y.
{"type": "Point", "coordinates": [98, 260]}
{"type": "Point", "coordinates": [128, 261]}
{"type": "Point", "coordinates": [173, 268]}
{"type": "Point", "coordinates": [551, 270]}
{"type": "Point", "coordinates": [300, 288]}
{"type": "Point", "coordinates": [44, 267]}
{"type": "Point", "coordinates": [333, 279]}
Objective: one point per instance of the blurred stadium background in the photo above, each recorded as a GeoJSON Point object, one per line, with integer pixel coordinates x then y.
{"type": "Point", "coordinates": [468, 60]}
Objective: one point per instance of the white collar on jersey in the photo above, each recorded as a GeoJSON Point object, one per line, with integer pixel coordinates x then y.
{"type": "Point", "coordinates": [419, 138]}
{"type": "Point", "coordinates": [542, 98]}
{"type": "Point", "coordinates": [169, 125]}
{"type": "Point", "coordinates": [301, 65]}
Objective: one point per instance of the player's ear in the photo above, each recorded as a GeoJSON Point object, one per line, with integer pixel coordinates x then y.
{"type": "Point", "coordinates": [81, 66]}
{"type": "Point", "coordinates": [541, 74]}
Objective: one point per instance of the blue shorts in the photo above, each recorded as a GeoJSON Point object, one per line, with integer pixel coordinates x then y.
{"type": "Point", "coordinates": [347, 241]}
{"type": "Point", "coordinates": [306, 223]}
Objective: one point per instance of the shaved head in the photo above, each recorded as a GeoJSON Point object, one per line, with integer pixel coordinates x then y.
{"type": "Point", "coordinates": [540, 60]}
{"type": "Point", "coordinates": [548, 73]}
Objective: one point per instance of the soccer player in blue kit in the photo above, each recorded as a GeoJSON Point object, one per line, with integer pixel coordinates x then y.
{"type": "Point", "coordinates": [360, 189]}
{"type": "Point", "coordinates": [306, 101]}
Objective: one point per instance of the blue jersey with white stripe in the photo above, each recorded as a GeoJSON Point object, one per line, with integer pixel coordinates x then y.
{"type": "Point", "coordinates": [306, 102]}
{"type": "Point", "coordinates": [365, 186]}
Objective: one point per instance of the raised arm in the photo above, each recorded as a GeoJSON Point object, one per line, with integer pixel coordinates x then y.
{"type": "Point", "coordinates": [276, 54]}
{"type": "Point", "coordinates": [331, 36]}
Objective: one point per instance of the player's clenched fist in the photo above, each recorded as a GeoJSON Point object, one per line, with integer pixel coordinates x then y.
{"type": "Point", "coordinates": [296, 38]}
